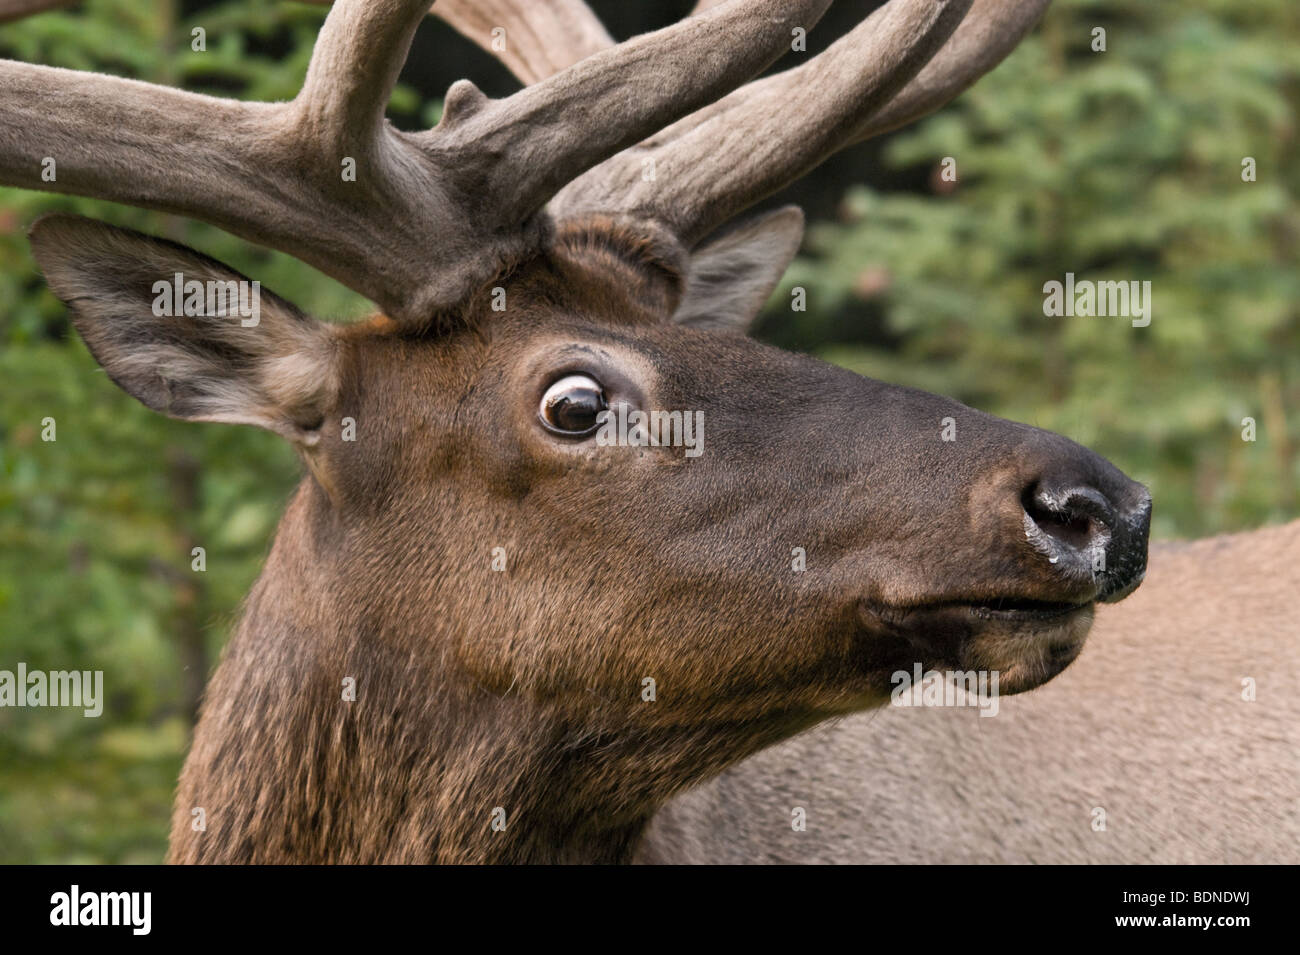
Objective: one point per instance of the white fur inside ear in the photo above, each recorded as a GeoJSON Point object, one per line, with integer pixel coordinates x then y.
{"type": "Point", "coordinates": [732, 277]}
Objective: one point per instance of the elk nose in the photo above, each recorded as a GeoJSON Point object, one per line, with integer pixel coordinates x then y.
{"type": "Point", "coordinates": [1096, 528]}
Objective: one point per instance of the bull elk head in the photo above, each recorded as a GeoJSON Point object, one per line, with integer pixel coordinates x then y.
{"type": "Point", "coordinates": [499, 585]}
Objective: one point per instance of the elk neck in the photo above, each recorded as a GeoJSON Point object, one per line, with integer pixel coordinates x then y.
{"type": "Point", "coordinates": [333, 734]}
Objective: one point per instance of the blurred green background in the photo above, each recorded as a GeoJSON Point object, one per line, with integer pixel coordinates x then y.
{"type": "Point", "coordinates": [1123, 165]}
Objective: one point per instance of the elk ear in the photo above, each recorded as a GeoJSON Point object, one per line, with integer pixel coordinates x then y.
{"type": "Point", "coordinates": [731, 278]}
{"type": "Point", "coordinates": [186, 335]}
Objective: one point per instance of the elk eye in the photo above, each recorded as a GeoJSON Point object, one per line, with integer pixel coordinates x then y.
{"type": "Point", "coordinates": [571, 405]}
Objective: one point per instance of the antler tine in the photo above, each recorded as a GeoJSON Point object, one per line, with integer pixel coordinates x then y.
{"type": "Point", "coordinates": [427, 216]}
{"type": "Point", "coordinates": [906, 59]}
{"type": "Point", "coordinates": [990, 31]}
{"type": "Point", "coordinates": [358, 55]}
{"type": "Point", "coordinates": [542, 37]}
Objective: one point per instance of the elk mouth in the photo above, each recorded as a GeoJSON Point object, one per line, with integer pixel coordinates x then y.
{"type": "Point", "coordinates": [1014, 608]}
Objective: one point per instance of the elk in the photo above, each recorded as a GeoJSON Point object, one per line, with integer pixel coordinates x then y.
{"type": "Point", "coordinates": [481, 636]}
{"type": "Point", "coordinates": [1151, 748]}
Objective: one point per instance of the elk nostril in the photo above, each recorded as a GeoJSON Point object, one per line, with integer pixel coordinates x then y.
{"type": "Point", "coordinates": [1075, 531]}
{"type": "Point", "coordinates": [1076, 517]}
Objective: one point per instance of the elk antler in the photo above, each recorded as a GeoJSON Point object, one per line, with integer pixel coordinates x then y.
{"type": "Point", "coordinates": [415, 221]}
{"type": "Point", "coordinates": [427, 216]}
{"type": "Point", "coordinates": [540, 37]}
{"type": "Point", "coordinates": [905, 60]}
